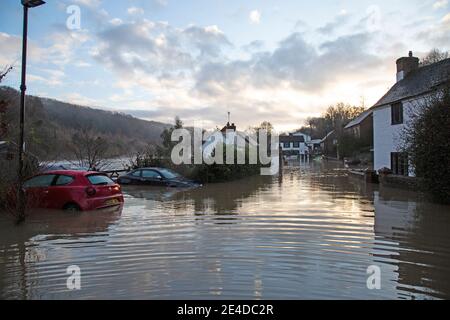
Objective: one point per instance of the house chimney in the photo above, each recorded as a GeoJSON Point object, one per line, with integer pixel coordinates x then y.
{"type": "Point", "coordinates": [405, 65]}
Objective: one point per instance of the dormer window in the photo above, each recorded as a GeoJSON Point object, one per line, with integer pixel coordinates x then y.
{"type": "Point", "coordinates": [397, 113]}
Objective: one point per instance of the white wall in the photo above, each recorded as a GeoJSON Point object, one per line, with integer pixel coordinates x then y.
{"type": "Point", "coordinates": [387, 137]}
{"type": "Point", "coordinates": [302, 149]}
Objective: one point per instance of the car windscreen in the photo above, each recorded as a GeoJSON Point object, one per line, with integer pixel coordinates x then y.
{"type": "Point", "coordinates": [99, 180]}
{"type": "Point", "coordinates": [169, 174]}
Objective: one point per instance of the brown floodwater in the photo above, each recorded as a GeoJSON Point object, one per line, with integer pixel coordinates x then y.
{"type": "Point", "coordinates": [310, 235]}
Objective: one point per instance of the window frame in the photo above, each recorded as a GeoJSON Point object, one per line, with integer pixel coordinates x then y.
{"type": "Point", "coordinates": [157, 174]}
{"type": "Point", "coordinates": [110, 182]}
{"type": "Point", "coordinates": [41, 186]}
{"type": "Point", "coordinates": [139, 175]}
{"type": "Point", "coordinates": [400, 163]}
{"type": "Point", "coordinates": [62, 185]}
{"type": "Point", "coordinates": [163, 173]}
{"type": "Point", "coordinates": [397, 113]}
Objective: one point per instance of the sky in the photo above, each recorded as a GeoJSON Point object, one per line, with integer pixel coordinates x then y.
{"type": "Point", "coordinates": [278, 61]}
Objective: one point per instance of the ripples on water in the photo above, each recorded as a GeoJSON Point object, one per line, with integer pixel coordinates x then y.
{"type": "Point", "coordinates": [312, 234]}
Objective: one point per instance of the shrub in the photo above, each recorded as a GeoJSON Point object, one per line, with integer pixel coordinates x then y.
{"type": "Point", "coordinates": [203, 173]}
{"type": "Point", "coordinates": [427, 142]}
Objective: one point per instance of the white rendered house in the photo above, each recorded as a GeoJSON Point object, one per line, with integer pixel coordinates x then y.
{"type": "Point", "coordinates": [392, 112]}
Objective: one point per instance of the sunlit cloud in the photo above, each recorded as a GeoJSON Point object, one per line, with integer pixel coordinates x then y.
{"type": "Point", "coordinates": [255, 17]}
{"type": "Point", "coordinates": [440, 4]}
{"type": "Point", "coordinates": [129, 58]}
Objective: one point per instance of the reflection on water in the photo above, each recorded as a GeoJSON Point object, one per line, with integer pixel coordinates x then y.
{"type": "Point", "coordinates": [310, 234]}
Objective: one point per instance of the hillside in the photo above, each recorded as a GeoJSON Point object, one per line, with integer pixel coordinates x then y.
{"type": "Point", "coordinates": [52, 125]}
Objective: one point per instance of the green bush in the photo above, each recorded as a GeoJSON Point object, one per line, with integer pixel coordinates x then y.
{"type": "Point", "coordinates": [427, 142]}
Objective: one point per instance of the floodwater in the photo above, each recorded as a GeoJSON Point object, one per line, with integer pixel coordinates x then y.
{"type": "Point", "coordinates": [310, 235]}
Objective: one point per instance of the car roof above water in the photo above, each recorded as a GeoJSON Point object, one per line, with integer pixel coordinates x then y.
{"type": "Point", "coordinates": [71, 172]}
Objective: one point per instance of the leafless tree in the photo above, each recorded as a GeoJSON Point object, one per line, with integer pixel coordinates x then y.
{"type": "Point", "coordinates": [434, 56]}
{"type": "Point", "coordinates": [4, 72]}
{"type": "Point", "coordinates": [90, 150]}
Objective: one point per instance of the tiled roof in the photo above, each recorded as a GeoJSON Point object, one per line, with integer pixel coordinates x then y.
{"type": "Point", "coordinates": [359, 119]}
{"type": "Point", "coordinates": [418, 82]}
{"type": "Point", "coordinates": [287, 139]}
{"type": "Point", "coordinates": [327, 136]}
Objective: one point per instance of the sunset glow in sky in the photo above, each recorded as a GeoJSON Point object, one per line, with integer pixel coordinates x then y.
{"type": "Point", "coordinates": [280, 61]}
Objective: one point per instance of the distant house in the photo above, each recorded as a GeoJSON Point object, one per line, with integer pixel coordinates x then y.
{"type": "Point", "coordinates": [305, 136]}
{"type": "Point", "coordinates": [392, 112]}
{"type": "Point", "coordinates": [293, 145]}
{"type": "Point", "coordinates": [361, 126]}
{"type": "Point", "coordinates": [361, 129]}
{"type": "Point", "coordinates": [329, 145]}
{"type": "Point", "coordinates": [230, 136]}
{"type": "Point", "coordinates": [314, 145]}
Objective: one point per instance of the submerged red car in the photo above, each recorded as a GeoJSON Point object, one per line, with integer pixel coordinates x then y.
{"type": "Point", "coordinates": [72, 190]}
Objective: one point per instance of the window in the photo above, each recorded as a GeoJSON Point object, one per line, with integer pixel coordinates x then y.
{"type": "Point", "coordinates": [296, 144]}
{"type": "Point", "coordinates": [64, 180]}
{"type": "Point", "coordinates": [136, 173]}
{"type": "Point", "coordinates": [287, 144]}
{"type": "Point", "coordinates": [99, 179]}
{"type": "Point", "coordinates": [399, 163]}
{"type": "Point", "coordinates": [150, 174]}
{"type": "Point", "coordinates": [169, 174]}
{"type": "Point", "coordinates": [397, 113]}
{"type": "Point", "coordinates": [40, 181]}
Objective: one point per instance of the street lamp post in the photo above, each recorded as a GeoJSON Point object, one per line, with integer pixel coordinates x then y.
{"type": "Point", "coordinates": [21, 199]}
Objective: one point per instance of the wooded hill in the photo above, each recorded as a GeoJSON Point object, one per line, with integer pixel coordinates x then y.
{"type": "Point", "coordinates": [52, 126]}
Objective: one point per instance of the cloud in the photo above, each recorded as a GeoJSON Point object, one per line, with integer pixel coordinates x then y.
{"type": "Point", "coordinates": [162, 3]}
{"type": "Point", "coordinates": [64, 45]}
{"type": "Point", "coordinates": [255, 17]}
{"type": "Point", "coordinates": [11, 50]}
{"type": "Point", "coordinates": [50, 77]}
{"type": "Point", "coordinates": [135, 11]}
{"type": "Point", "coordinates": [170, 71]}
{"type": "Point", "coordinates": [88, 3]}
{"type": "Point", "coordinates": [291, 79]}
{"type": "Point", "coordinates": [438, 34]}
{"type": "Point", "coordinates": [341, 19]}
{"type": "Point", "coordinates": [116, 21]}
{"type": "Point", "coordinates": [79, 99]}
{"type": "Point", "coordinates": [160, 71]}
{"type": "Point", "coordinates": [157, 48]}
{"type": "Point", "coordinates": [294, 62]}
{"type": "Point", "coordinates": [300, 24]}
{"type": "Point", "coordinates": [255, 45]}
{"type": "Point", "coordinates": [440, 4]}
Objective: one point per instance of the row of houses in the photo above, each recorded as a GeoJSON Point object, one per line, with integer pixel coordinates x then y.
{"type": "Point", "coordinates": [299, 144]}
{"type": "Point", "coordinates": [384, 122]}
{"type": "Point", "coordinates": [380, 128]}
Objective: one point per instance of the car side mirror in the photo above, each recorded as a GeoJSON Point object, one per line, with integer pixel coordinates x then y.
{"type": "Point", "coordinates": [159, 178]}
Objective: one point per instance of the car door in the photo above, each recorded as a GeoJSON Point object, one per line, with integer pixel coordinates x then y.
{"type": "Point", "coordinates": [153, 178]}
{"type": "Point", "coordinates": [37, 190]}
{"type": "Point", "coordinates": [133, 177]}
{"type": "Point", "coordinates": [58, 193]}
